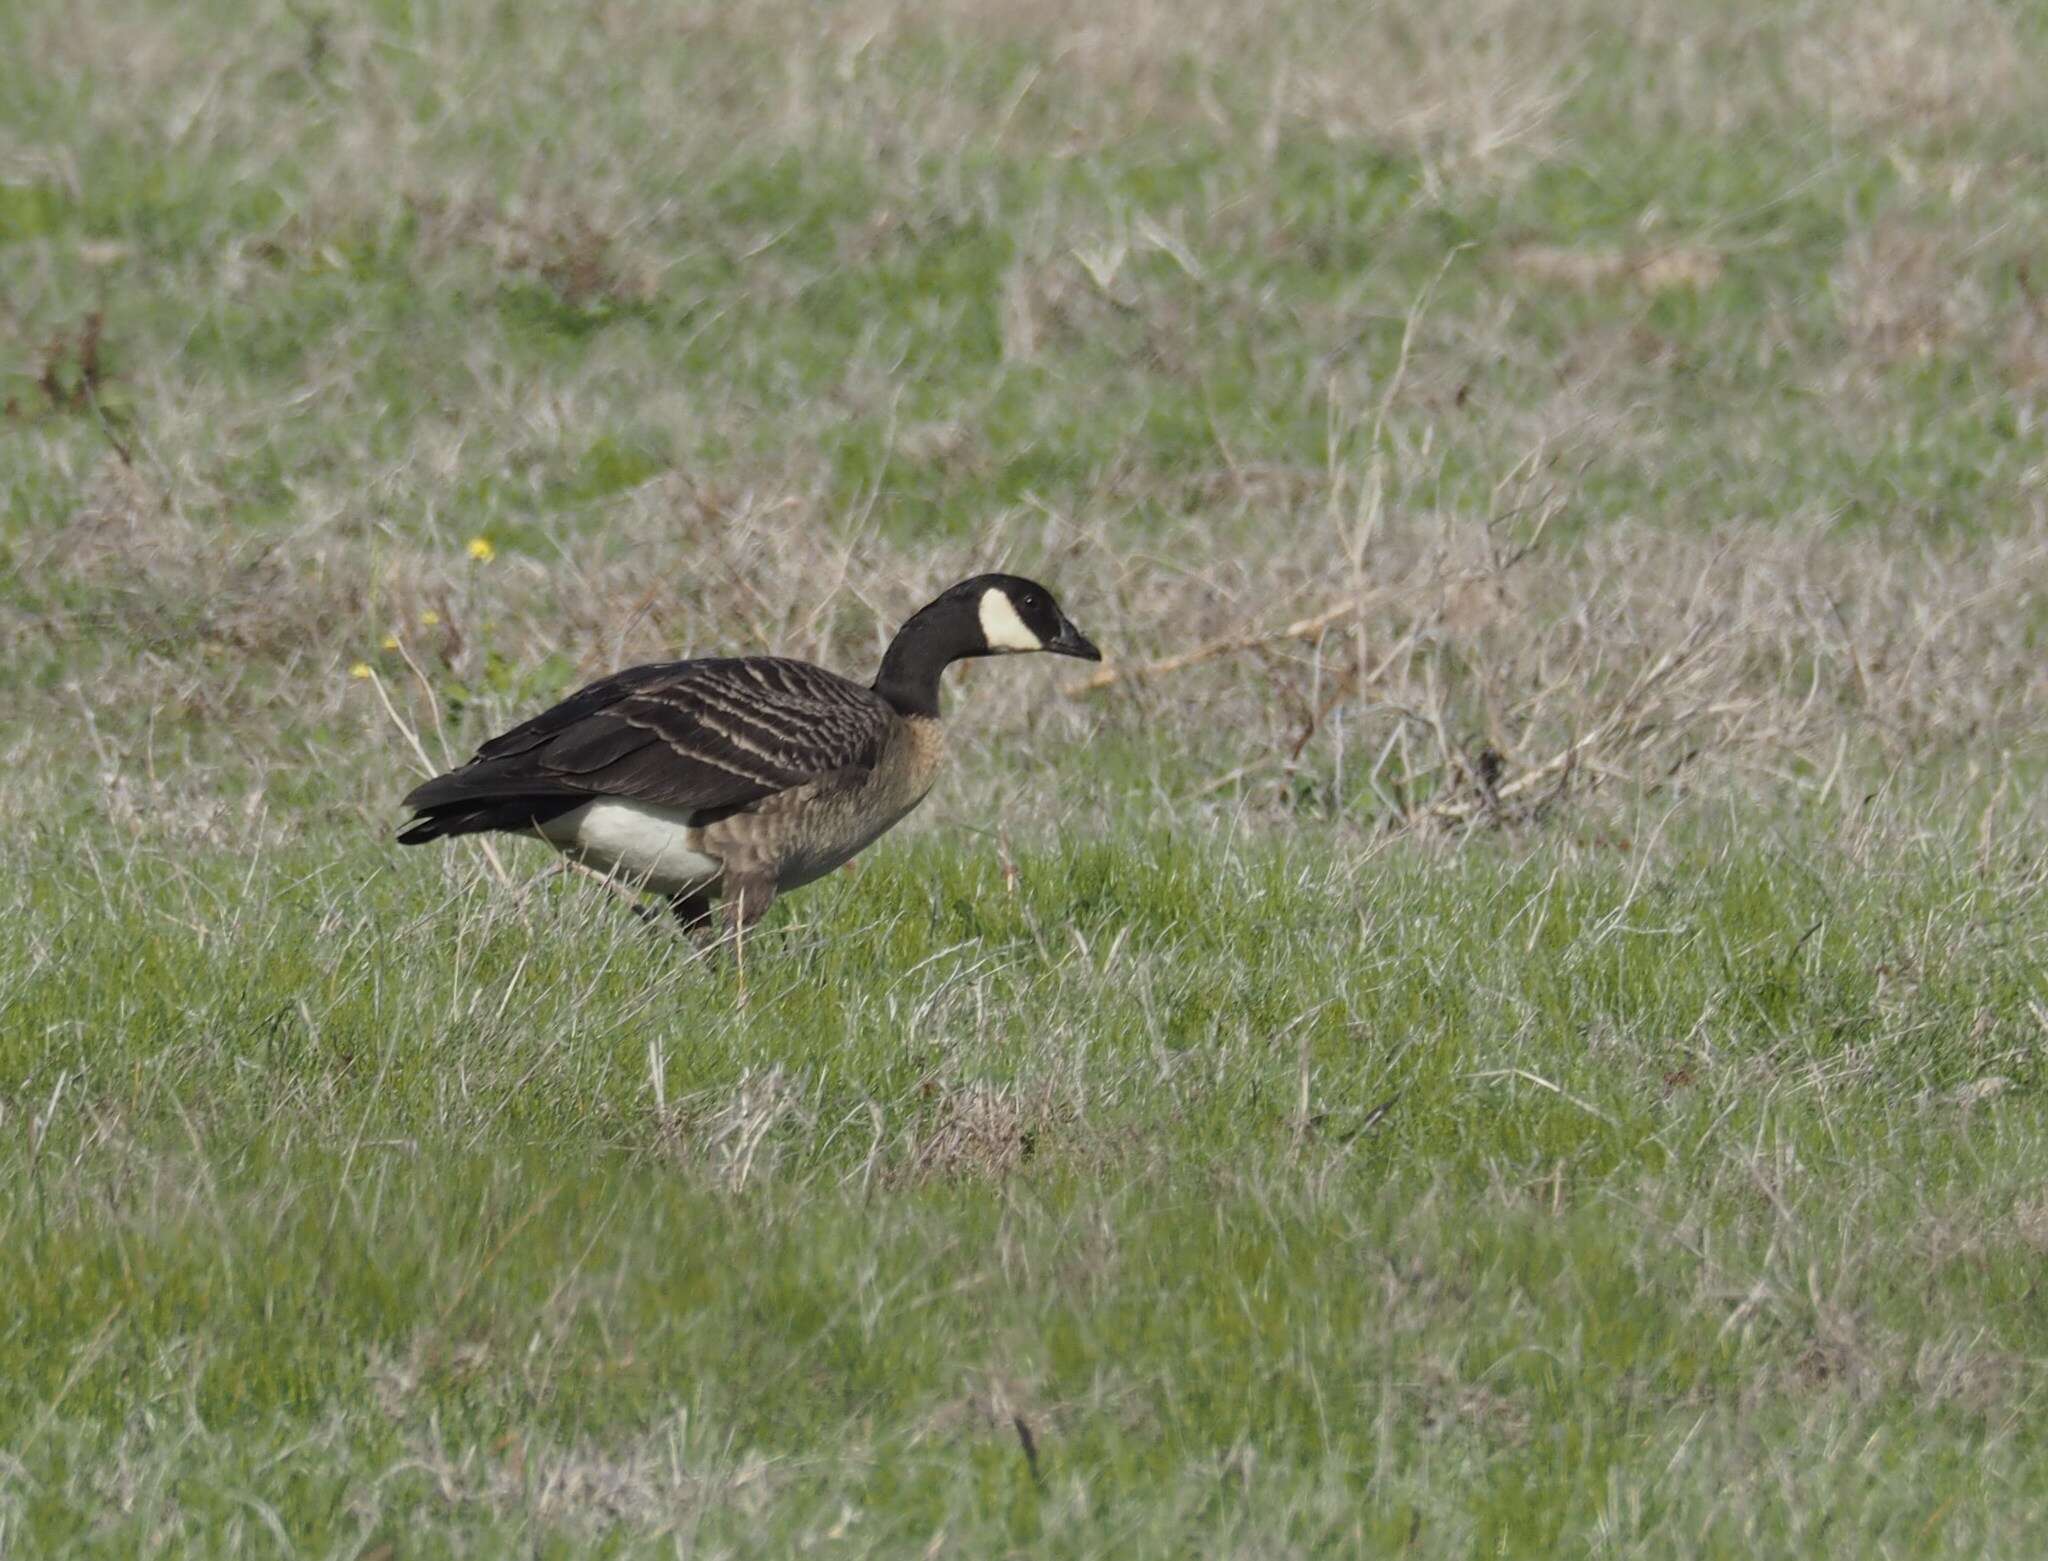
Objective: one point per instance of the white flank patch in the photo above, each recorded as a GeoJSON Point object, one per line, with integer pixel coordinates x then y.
{"type": "Point", "coordinates": [1001, 626]}
{"type": "Point", "coordinates": [638, 841]}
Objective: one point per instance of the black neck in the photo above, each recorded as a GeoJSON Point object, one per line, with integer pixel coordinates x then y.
{"type": "Point", "coordinates": [930, 642]}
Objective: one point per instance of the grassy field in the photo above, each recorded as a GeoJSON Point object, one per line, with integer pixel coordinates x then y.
{"type": "Point", "coordinates": [1510, 1023]}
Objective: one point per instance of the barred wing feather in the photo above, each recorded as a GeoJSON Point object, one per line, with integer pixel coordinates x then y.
{"type": "Point", "coordinates": [705, 736]}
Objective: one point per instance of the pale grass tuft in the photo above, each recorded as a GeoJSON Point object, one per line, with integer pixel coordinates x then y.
{"type": "Point", "coordinates": [980, 1129]}
{"type": "Point", "coordinates": [649, 1487]}
{"type": "Point", "coordinates": [1905, 293]}
{"type": "Point", "coordinates": [739, 1136]}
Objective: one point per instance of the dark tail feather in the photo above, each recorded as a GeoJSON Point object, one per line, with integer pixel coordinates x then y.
{"type": "Point", "coordinates": [474, 815]}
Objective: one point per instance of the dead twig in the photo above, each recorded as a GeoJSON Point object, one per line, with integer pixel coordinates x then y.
{"type": "Point", "coordinates": [1349, 687]}
{"type": "Point", "coordinates": [1309, 628]}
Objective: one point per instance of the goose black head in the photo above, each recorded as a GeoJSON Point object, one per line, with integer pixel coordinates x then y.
{"type": "Point", "coordinates": [1016, 615]}
{"type": "Point", "coordinates": [990, 615]}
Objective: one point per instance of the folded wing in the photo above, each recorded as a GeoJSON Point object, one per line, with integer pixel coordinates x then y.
{"type": "Point", "coordinates": [706, 737]}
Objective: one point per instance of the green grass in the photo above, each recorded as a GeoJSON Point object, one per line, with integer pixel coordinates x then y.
{"type": "Point", "coordinates": [1212, 1126]}
{"type": "Point", "coordinates": [1614, 1204]}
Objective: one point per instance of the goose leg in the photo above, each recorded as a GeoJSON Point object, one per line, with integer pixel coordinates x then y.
{"type": "Point", "coordinates": [747, 901]}
{"type": "Point", "coordinates": [692, 910]}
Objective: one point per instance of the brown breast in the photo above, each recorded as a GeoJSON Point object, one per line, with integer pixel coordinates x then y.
{"type": "Point", "coordinates": [925, 739]}
{"type": "Point", "coordinates": [796, 836]}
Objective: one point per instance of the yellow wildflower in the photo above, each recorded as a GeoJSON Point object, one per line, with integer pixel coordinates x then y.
{"type": "Point", "coordinates": [429, 618]}
{"type": "Point", "coordinates": [481, 550]}
{"type": "Point", "coordinates": [391, 642]}
{"type": "Point", "coordinates": [360, 670]}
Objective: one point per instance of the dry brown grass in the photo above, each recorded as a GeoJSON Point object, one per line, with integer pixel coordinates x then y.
{"type": "Point", "coordinates": [981, 1129]}
{"type": "Point", "coordinates": [946, 1129]}
{"type": "Point", "coordinates": [1917, 294]}
{"type": "Point", "coordinates": [1653, 270]}
{"type": "Point", "coordinates": [1476, 682]}
{"type": "Point", "coordinates": [1896, 66]}
{"type": "Point", "coordinates": [1474, 90]}
{"type": "Point", "coordinates": [1747, 654]}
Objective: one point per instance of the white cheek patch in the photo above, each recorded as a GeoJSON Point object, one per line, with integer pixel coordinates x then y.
{"type": "Point", "coordinates": [1001, 626]}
